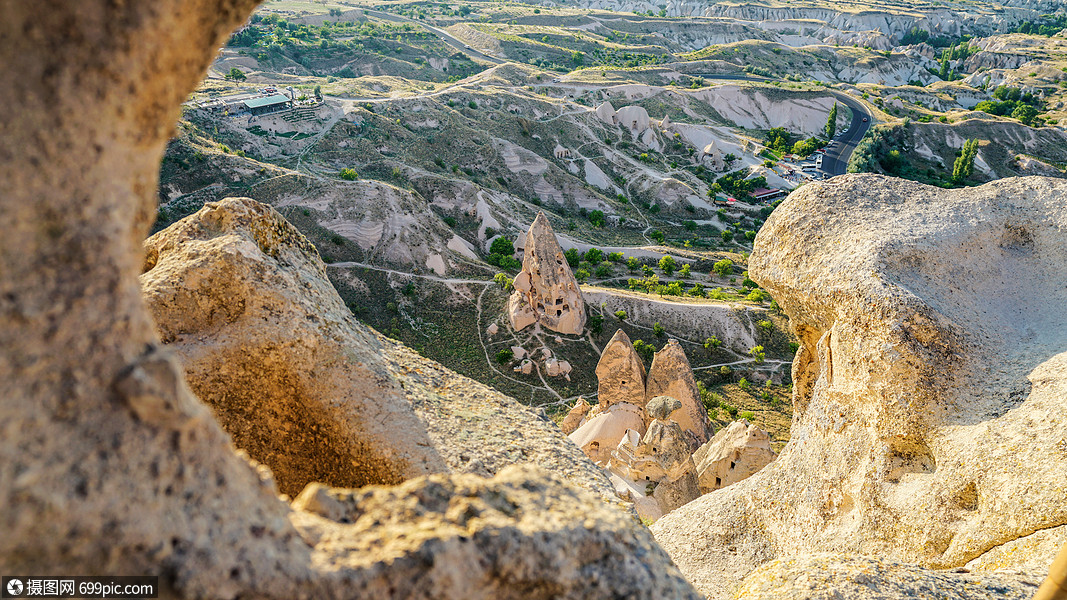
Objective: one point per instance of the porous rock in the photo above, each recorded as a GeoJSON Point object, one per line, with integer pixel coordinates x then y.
{"type": "Point", "coordinates": [928, 419]}
{"type": "Point", "coordinates": [456, 536]}
{"type": "Point", "coordinates": [620, 373]}
{"type": "Point", "coordinates": [738, 451]}
{"type": "Point", "coordinates": [844, 577]}
{"type": "Point", "coordinates": [671, 375]}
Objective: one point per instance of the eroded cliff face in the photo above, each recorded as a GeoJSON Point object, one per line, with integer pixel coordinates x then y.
{"type": "Point", "coordinates": [929, 420]}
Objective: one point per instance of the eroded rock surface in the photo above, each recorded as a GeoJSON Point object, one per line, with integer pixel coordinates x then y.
{"type": "Point", "coordinates": [671, 375]}
{"type": "Point", "coordinates": [929, 388]}
{"type": "Point", "coordinates": [736, 452]}
{"type": "Point", "coordinates": [844, 577]}
{"type": "Point", "coordinates": [545, 290]}
{"type": "Point", "coordinates": [522, 534]}
{"type": "Point", "coordinates": [620, 373]}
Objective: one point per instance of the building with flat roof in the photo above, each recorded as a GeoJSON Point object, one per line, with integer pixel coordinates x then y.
{"type": "Point", "coordinates": [267, 104]}
{"type": "Point", "coordinates": [764, 194]}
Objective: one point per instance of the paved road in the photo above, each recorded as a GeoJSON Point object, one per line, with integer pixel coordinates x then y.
{"type": "Point", "coordinates": [835, 161]}
{"type": "Point", "coordinates": [445, 37]}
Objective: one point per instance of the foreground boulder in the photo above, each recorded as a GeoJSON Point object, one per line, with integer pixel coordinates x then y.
{"type": "Point", "coordinates": [929, 419]}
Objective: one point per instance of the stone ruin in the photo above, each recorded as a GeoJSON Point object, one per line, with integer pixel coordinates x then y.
{"type": "Point", "coordinates": [545, 290]}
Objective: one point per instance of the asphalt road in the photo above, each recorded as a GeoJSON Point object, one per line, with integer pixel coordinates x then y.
{"type": "Point", "coordinates": [835, 161]}
{"type": "Point", "coordinates": [445, 37]}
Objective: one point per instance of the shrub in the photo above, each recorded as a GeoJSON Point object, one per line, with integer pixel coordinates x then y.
{"type": "Point", "coordinates": [758, 354]}
{"type": "Point", "coordinates": [596, 323]}
{"type": "Point", "coordinates": [766, 325]}
{"type": "Point", "coordinates": [603, 270]}
{"type": "Point", "coordinates": [349, 174]}
{"type": "Point", "coordinates": [472, 104]}
{"type": "Point", "coordinates": [645, 350]}
{"type": "Point", "coordinates": [633, 264]}
{"type": "Point", "coordinates": [727, 235]}
{"type": "Point", "coordinates": [724, 267]}
{"type": "Point", "coordinates": [757, 296]}
{"type": "Point", "coordinates": [504, 356]}
{"type": "Point", "coordinates": [450, 221]}
{"type": "Point", "coordinates": [712, 342]}
{"type": "Point", "coordinates": [597, 218]}
{"type": "Point", "coordinates": [506, 283]}
{"type": "Point", "coordinates": [657, 235]}
{"type": "Point", "coordinates": [667, 264]}
{"type": "Point", "coordinates": [615, 257]}
{"type": "Point", "coordinates": [620, 315]}
{"type": "Point", "coordinates": [744, 384]}
{"type": "Point", "coordinates": [658, 329]}
{"type": "Point", "coordinates": [684, 271]}
{"type": "Point", "coordinates": [748, 415]}
{"type": "Point", "coordinates": [581, 275]}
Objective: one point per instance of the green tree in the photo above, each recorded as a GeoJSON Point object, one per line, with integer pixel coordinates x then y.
{"type": "Point", "coordinates": [831, 123]}
{"type": "Point", "coordinates": [349, 174]}
{"type": "Point", "coordinates": [597, 218]}
{"type": "Point", "coordinates": [964, 165]}
{"type": "Point", "coordinates": [236, 74]}
{"type": "Point", "coordinates": [724, 267]}
{"type": "Point", "coordinates": [594, 255]}
{"type": "Point", "coordinates": [505, 282]}
{"type": "Point", "coordinates": [505, 356]}
{"type": "Point", "coordinates": [1025, 114]}
{"type": "Point", "coordinates": [620, 315]}
{"type": "Point", "coordinates": [712, 342]}
{"type": "Point", "coordinates": [727, 235]}
{"type": "Point", "coordinates": [581, 275]}
{"type": "Point", "coordinates": [758, 354]}
{"type": "Point", "coordinates": [633, 264]}
{"type": "Point", "coordinates": [658, 329]}
{"type": "Point", "coordinates": [502, 246]}
{"type": "Point", "coordinates": [572, 256]}
{"type": "Point", "coordinates": [318, 92]}
{"type": "Point", "coordinates": [657, 235]}
{"type": "Point", "coordinates": [667, 264]}
{"type": "Point", "coordinates": [684, 271]}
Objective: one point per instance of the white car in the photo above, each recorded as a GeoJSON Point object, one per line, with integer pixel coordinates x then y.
{"type": "Point", "coordinates": [467, 47]}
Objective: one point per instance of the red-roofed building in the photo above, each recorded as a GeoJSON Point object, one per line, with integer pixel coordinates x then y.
{"type": "Point", "coordinates": [766, 195]}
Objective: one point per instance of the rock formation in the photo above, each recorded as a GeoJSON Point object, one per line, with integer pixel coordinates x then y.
{"type": "Point", "coordinates": [545, 290]}
{"type": "Point", "coordinates": [575, 416]}
{"type": "Point", "coordinates": [558, 368]}
{"type": "Point", "coordinates": [606, 113]}
{"type": "Point", "coordinates": [735, 453]}
{"type": "Point", "coordinates": [928, 390]}
{"type": "Point", "coordinates": [671, 375]}
{"type": "Point", "coordinates": [601, 432]}
{"type": "Point", "coordinates": [620, 373]}
{"type": "Point", "coordinates": [661, 458]}
{"type": "Point", "coordinates": [109, 464]}
{"type": "Point", "coordinates": [635, 118]}
{"type": "Point", "coordinates": [849, 577]}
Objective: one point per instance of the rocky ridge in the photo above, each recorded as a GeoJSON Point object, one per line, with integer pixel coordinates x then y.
{"type": "Point", "coordinates": [926, 426]}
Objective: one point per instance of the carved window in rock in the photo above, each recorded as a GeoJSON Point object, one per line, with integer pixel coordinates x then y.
{"type": "Point", "coordinates": [732, 465]}
{"type": "Point", "coordinates": [718, 481]}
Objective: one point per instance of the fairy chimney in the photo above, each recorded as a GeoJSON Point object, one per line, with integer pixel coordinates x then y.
{"type": "Point", "coordinates": [545, 290]}
{"type": "Point", "coordinates": [671, 375]}
{"type": "Point", "coordinates": [620, 373]}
